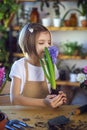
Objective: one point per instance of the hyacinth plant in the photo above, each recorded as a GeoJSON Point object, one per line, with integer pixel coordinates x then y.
{"type": "Point", "coordinates": [82, 78]}
{"type": "Point", "coordinates": [48, 64]}
{"type": "Point", "coordinates": [2, 78]}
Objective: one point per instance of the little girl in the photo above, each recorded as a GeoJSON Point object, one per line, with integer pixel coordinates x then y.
{"type": "Point", "coordinates": [29, 86]}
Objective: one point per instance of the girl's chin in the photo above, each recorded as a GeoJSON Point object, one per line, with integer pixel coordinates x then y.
{"type": "Point", "coordinates": [41, 56]}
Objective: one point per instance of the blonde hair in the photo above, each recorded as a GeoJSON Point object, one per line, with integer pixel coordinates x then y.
{"type": "Point", "coordinates": [27, 37]}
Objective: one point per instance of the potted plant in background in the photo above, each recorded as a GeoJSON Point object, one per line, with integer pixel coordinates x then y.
{"type": "Point", "coordinates": [71, 48]}
{"type": "Point", "coordinates": [82, 10]}
{"type": "Point", "coordinates": [83, 17]}
{"type": "Point", "coordinates": [56, 6]}
{"type": "Point", "coordinates": [44, 3]}
{"type": "Point", "coordinates": [57, 19]}
{"type": "Point", "coordinates": [82, 77]}
{"type": "Point", "coordinates": [72, 73]}
{"type": "Point", "coordinates": [46, 20]}
{"type": "Point", "coordinates": [2, 78]}
{"type": "Point", "coordinates": [7, 7]}
{"type": "Point", "coordinates": [63, 72]}
{"type": "Point", "coordinates": [67, 22]}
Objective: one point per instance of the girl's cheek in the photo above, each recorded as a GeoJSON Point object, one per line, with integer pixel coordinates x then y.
{"type": "Point", "coordinates": [41, 55]}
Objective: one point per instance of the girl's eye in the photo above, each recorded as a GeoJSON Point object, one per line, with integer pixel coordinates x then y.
{"type": "Point", "coordinates": [49, 43]}
{"type": "Point", "coordinates": [41, 43]}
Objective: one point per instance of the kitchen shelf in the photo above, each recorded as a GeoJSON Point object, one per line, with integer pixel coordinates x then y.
{"type": "Point", "coordinates": [67, 28]}
{"type": "Point", "coordinates": [65, 57]}
{"type": "Point", "coordinates": [51, 28]}
{"type": "Point", "coordinates": [60, 56]}
{"type": "Point", "coordinates": [68, 83]}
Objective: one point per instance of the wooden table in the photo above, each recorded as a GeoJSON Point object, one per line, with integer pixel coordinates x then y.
{"type": "Point", "coordinates": [35, 115]}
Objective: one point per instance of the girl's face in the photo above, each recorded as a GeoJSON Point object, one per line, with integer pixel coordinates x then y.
{"type": "Point", "coordinates": [42, 40]}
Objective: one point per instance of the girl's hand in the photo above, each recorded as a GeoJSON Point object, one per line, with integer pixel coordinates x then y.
{"type": "Point", "coordinates": [55, 101]}
{"type": "Point", "coordinates": [63, 96]}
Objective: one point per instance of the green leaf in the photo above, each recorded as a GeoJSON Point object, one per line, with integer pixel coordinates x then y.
{"type": "Point", "coordinates": [44, 69]}
{"type": "Point", "coordinates": [47, 64]}
{"type": "Point", "coordinates": [51, 69]}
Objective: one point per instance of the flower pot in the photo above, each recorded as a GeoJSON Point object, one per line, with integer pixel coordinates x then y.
{"type": "Point", "coordinates": [46, 22]}
{"type": "Point", "coordinates": [84, 23]}
{"type": "Point", "coordinates": [3, 120]}
{"type": "Point", "coordinates": [81, 18]}
{"type": "Point", "coordinates": [73, 77]}
{"type": "Point", "coordinates": [56, 22]}
{"type": "Point", "coordinates": [67, 23]}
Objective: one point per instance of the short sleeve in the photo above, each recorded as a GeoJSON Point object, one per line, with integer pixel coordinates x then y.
{"type": "Point", "coordinates": [16, 70]}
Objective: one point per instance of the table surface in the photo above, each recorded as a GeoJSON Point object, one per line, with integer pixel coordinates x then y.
{"type": "Point", "coordinates": [38, 117]}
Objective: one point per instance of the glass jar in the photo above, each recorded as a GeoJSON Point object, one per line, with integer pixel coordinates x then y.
{"type": "Point", "coordinates": [73, 20]}
{"type": "Point", "coordinates": [34, 16]}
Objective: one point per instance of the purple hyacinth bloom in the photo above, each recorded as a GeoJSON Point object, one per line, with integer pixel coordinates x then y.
{"type": "Point", "coordinates": [53, 50]}
{"type": "Point", "coordinates": [85, 69]}
{"type": "Point", "coordinates": [2, 75]}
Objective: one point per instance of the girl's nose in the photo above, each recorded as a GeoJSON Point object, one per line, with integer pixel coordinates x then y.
{"type": "Point", "coordinates": [47, 45]}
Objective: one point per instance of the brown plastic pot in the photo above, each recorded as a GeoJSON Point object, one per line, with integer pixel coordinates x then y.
{"type": "Point", "coordinates": [84, 23]}
{"type": "Point", "coordinates": [3, 120]}
{"type": "Point", "coordinates": [67, 23]}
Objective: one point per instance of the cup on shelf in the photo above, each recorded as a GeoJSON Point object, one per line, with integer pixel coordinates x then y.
{"type": "Point", "coordinates": [81, 18]}
{"type": "Point", "coordinates": [67, 23]}
{"type": "Point", "coordinates": [56, 22]}
{"type": "Point", "coordinates": [46, 21]}
{"type": "Point", "coordinates": [84, 23]}
{"type": "Point", "coordinates": [73, 77]}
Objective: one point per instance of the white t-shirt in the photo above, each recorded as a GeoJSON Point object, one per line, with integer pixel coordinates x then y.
{"type": "Point", "coordinates": [35, 73]}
